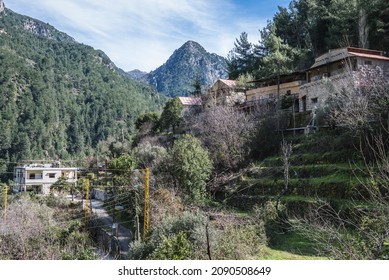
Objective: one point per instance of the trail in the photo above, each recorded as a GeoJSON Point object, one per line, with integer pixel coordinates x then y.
{"type": "Point", "coordinates": [124, 235]}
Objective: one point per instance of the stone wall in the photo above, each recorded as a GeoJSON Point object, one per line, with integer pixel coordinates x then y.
{"type": "Point", "coordinates": [100, 195]}
{"type": "Point", "coordinates": [317, 92]}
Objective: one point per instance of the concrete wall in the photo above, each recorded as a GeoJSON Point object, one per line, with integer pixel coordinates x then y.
{"type": "Point", "coordinates": [271, 91]}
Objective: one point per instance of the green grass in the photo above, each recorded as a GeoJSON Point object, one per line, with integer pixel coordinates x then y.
{"type": "Point", "coordinates": [290, 245]}
{"type": "Point", "coordinates": [274, 254]}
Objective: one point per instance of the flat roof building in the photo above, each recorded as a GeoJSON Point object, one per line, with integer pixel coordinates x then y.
{"type": "Point", "coordinates": [40, 177]}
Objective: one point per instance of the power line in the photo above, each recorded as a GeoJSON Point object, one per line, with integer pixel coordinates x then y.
{"type": "Point", "coordinates": [121, 199]}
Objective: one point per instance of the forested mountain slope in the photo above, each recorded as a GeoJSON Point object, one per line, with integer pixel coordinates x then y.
{"type": "Point", "coordinates": [58, 98]}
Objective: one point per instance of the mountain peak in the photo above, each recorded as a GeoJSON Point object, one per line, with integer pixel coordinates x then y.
{"type": "Point", "coordinates": [192, 44]}
{"type": "Point", "coordinates": [191, 47]}
{"type": "Point", "coordinates": [191, 60]}
{"type": "Point", "coordinates": [136, 74]}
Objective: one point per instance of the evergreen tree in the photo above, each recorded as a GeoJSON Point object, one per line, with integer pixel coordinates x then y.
{"type": "Point", "coordinates": [196, 86]}
{"type": "Point", "coordinates": [192, 166]}
{"type": "Point", "coordinates": [279, 57]}
{"type": "Point", "coordinates": [171, 114]}
{"type": "Point", "coordinates": [241, 59]}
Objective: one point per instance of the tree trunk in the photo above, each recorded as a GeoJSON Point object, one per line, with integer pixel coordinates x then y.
{"type": "Point", "coordinates": [363, 29]}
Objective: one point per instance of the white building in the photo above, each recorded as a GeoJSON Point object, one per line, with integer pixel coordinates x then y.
{"type": "Point", "coordinates": [40, 177]}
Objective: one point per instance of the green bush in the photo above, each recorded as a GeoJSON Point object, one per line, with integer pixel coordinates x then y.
{"type": "Point", "coordinates": [191, 166]}
{"type": "Point", "coordinates": [238, 243]}
{"type": "Point", "coordinates": [174, 247]}
{"type": "Point", "coordinates": [149, 155]}
{"type": "Point", "coordinates": [186, 229]}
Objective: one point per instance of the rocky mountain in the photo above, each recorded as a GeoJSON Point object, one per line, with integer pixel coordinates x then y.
{"type": "Point", "coordinates": [59, 98]}
{"type": "Point", "coordinates": [136, 74]}
{"type": "Point", "coordinates": [187, 64]}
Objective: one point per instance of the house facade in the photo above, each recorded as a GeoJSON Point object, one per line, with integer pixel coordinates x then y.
{"type": "Point", "coordinates": [274, 89]}
{"type": "Point", "coordinates": [308, 89]}
{"type": "Point", "coordinates": [40, 177]}
{"type": "Point", "coordinates": [334, 68]}
{"type": "Point", "coordinates": [224, 93]}
{"type": "Point", "coordinates": [190, 105]}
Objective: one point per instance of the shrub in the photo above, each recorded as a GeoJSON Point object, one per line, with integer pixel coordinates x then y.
{"type": "Point", "coordinates": [191, 166]}
{"type": "Point", "coordinates": [238, 243]}
{"type": "Point", "coordinates": [174, 247]}
{"type": "Point", "coordinates": [186, 229]}
{"type": "Point", "coordinates": [148, 155]}
{"type": "Point", "coordinates": [30, 231]}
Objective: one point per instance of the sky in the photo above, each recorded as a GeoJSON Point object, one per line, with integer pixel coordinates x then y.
{"type": "Point", "coordinates": [142, 34]}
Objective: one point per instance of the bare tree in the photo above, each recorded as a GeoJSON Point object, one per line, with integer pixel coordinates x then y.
{"type": "Point", "coordinates": [226, 132]}
{"type": "Point", "coordinates": [359, 99]}
{"type": "Point", "coordinates": [286, 152]}
{"type": "Point", "coordinates": [32, 231]}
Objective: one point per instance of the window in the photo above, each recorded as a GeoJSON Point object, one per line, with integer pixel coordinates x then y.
{"type": "Point", "coordinates": [368, 62]}
{"type": "Point", "coordinates": [288, 92]}
{"type": "Point", "coordinates": [314, 100]}
{"type": "Point", "coordinates": [51, 175]}
{"type": "Point", "coordinates": [31, 176]}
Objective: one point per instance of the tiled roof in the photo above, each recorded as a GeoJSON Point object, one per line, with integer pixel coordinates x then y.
{"type": "Point", "coordinates": [190, 101]}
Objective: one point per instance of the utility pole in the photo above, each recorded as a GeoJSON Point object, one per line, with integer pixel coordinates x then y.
{"type": "Point", "coordinates": [5, 200]}
{"type": "Point", "coordinates": [147, 206]}
{"type": "Point", "coordinates": [86, 206]}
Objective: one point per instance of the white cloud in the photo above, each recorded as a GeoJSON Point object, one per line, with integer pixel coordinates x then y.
{"type": "Point", "coordinates": [143, 33]}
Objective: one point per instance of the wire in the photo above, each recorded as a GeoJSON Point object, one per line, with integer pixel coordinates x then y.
{"type": "Point", "coordinates": [121, 199]}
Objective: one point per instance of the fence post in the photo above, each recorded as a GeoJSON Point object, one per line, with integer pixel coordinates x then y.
{"type": "Point", "coordinates": [86, 206]}
{"type": "Point", "coordinates": [147, 206]}
{"type": "Point", "coordinates": [5, 199]}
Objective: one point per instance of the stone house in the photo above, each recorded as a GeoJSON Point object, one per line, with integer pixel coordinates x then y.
{"type": "Point", "coordinates": [334, 67]}
{"type": "Point", "coordinates": [224, 93]}
{"type": "Point", "coordinates": [309, 89]}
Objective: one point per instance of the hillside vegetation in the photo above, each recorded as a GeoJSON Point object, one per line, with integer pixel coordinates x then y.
{"type": "Point", "coordinates": [61, 99]}
{"type": "Point", "coordinates": [225, 183]}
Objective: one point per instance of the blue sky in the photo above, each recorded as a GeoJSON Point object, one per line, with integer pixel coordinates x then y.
{"type": "Point", "coordinates": [142, 34]}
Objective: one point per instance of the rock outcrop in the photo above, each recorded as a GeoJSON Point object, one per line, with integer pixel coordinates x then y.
{"type": "Point", "coordinates": [2, 6]}
{"type": "Point", "coordinates": [188, 63]}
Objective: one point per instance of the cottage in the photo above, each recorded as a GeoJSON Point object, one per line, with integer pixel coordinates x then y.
{"type": "Point", "coordinates": [40, 177]}
{"type": "Point", "coordinates": [225, 93]}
